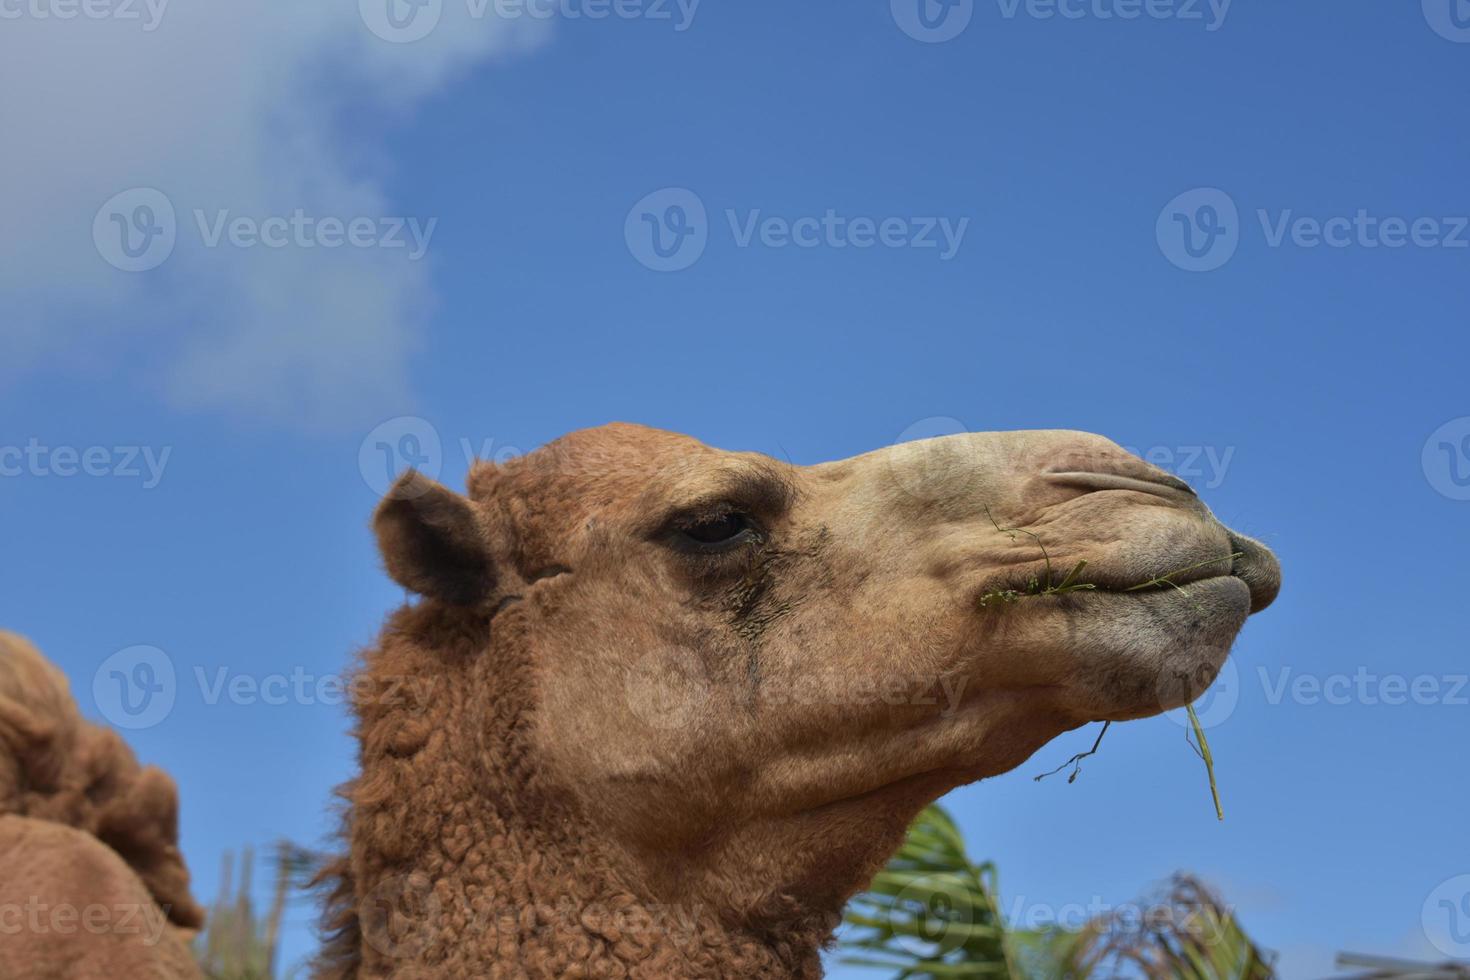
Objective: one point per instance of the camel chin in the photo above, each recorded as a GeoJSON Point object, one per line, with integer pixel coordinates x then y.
{"type": "Point", "coordinates": [1162, 649]}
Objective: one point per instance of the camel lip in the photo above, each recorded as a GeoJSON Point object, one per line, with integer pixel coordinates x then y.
{"type": "Point", "coordinates": [1164, 583]}
{"type": "Point", "coordinates": [1112, 584]}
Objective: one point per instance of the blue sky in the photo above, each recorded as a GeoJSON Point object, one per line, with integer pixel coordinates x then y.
{"type": "Point", "coordinates": [1232, 236]}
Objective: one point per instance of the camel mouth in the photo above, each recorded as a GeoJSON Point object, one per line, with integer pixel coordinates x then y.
{"type": "Point", "coordinates": [1248, 560]}
{"type": "Point", "coordinates": [1080, 579]}
{"type": "Point", "coordinates": [1181, 579]}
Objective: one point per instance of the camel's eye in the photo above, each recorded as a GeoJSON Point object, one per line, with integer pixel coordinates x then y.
{"type": "Point", "coordinates": [717, 531]}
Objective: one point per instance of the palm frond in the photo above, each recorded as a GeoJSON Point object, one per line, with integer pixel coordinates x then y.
{"type": "Point", "coordinates": [1187, 933]}
{"type": "Point", "coordinates": [931, 913]}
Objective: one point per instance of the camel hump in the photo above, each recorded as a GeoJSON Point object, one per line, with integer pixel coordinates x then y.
{"type": "Point", "coordinates": [39, 722]}
{"type": "Point", "coordinates": [80, 912]}
{"type": "Point", "coordinates": [56, 766]}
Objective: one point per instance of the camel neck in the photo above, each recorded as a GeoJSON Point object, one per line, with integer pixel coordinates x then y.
{"type": "Point", "coordinates": [461, 866]}
{"type": "Point", "coordinates": [512, 907]}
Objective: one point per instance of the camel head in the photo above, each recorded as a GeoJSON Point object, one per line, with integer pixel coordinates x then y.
{"type": "Point", "coordinates": [750, 675]}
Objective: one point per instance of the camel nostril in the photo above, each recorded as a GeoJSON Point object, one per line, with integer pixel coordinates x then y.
{"type": "Point", "coordinates": [1258, 568]}
{"type": "Point", "coordinates": [1174, 482]}
{"type": "Point", "coordinates": [1144, 481]}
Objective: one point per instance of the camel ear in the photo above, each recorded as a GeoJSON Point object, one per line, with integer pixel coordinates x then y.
{"type": "Point", "coordinates": [431, 542]}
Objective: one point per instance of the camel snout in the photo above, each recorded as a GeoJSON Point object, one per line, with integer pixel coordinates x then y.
{"type": "Point", "coordinates": [1258, 568]}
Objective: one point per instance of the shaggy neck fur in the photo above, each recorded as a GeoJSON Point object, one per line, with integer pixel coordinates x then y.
{"type": "Point", "coordinates": [463, 863]}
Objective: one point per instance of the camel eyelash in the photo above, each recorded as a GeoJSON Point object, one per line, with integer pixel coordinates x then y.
{"type": "Point", "coordinates": [692, 514]}
{"type": "Point", "coordinates": [712, 531]}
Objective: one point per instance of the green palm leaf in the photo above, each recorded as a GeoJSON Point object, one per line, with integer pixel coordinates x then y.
{"type": "Point", "coordinates": [933, 914]}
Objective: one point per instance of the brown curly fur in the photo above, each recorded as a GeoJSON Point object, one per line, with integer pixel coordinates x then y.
{"type": "Point", "coordinates": [471, 866]}
{"type": "Point", "coordinates": [56, 769]}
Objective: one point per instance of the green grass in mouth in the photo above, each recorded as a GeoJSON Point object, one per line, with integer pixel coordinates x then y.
{"type": "Point", "coordinates": [1071, 582]}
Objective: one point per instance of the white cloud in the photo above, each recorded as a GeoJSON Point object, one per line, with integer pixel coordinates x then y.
{"type": "Point", "coordinates": [222, 106]}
